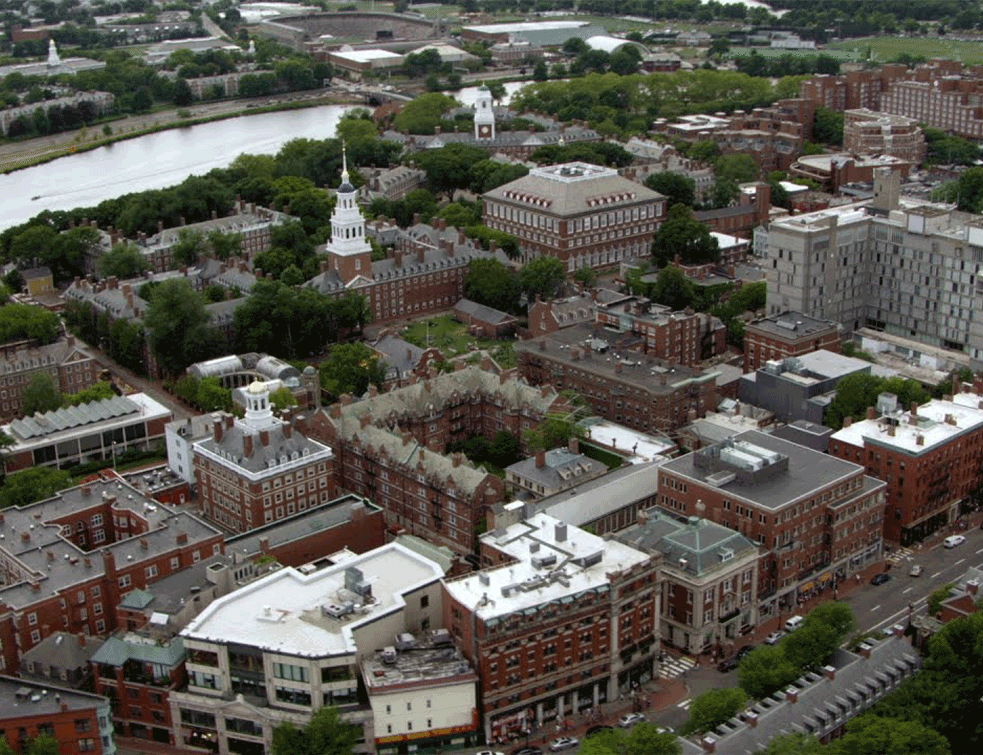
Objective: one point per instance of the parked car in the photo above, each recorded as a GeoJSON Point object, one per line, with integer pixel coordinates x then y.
{"type": "Point", "coordinates": [563, 743]}
{"type": "Point", "coordinates": [524, 750]}
{"type": "Point", "coordinates": [597, 729]}
{"type": "Point", "coordinates": [489, 752]}
{"type": "Point", "coordinates": [953, 540]}
{"type": "Point", "coordinates": [665, 730]}
{"type": "Point", "coordinates": [916, 570]}
{"type": "Point", "coordinates": [744, 651]}
{"type": "Point", "coordinates": [728, 664]}
{"type": "Point", "coordinates": [880, 579]}
{"type": "Point", "coordinates": [629, 720]}
{"type": "Point", "coordinates": [774, 637]}
{"type": "Point", "coordinates": [794, 623]}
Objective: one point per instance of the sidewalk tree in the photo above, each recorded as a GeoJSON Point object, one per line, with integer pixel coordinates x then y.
{"type": "Point", "coordinates": [937, 598]}
{"type": "Point", "coordinates": [326, 734]}
{"type": "Point", "coordinates": [836, 615]}
{"type": "Point", "coordinates": [712, 708]}
{"type": "Point", "coordinates": [643, 739]}
{"type": "Point", "coordinates": [765, 670]}
{"type": "Point", "coordinates": [122, 261]}
{"type": "Point", "coordinates": [40, 395]}
{"type": "Point", "coordinates": [811, 645]}
{"type": "Point", "coordinates": [870, 734]}
{"type": "Point", "coordinates": [793, 744]}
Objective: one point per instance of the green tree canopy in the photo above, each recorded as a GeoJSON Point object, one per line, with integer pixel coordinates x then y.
{"type": "Point", "coordinates": [351, 368]}
{"type": "Point", "coordinates": [96, 392]}
{"type": "Point", "coordinates": [586, 277]}
{"type": "Point", "coordinates": [553, 432]}
{"type": "Point", "coordinates": [449, 168]}
{"type": "Point", "coordinates": [282, 398]}
{"type": "Point", "coordinates": [855, 393]}
{"type": "Point", "coordinates": [765, 670]}
{"type": "Point", "coordinates": [684, 235]}
{"type": "Point", "coordinates": [122, 261]}
{"type": "Point", "coordinates": [677, 188]}
{"type": "Point", "coordinates": [40, 394]}
{"type": "Point", "coordinates": [871, 734]}
{"type": "Point", "coordinates": [423, 114]}
{"type": "Point", "coordinates": [22, 321]}
{"type": "Point", "coordinates": [673, 289]}
{"type": "Point", "coordinates": [489, 282]}
{"type": "Point", "coordinates": [30, 485]}
{"type": "Point", "coordinates": [326, 734]}
{"type": "Point", "coordinates": [712, 708]}
{"type": "Point", "coordinates": [827, 126]}
{"type": "Point", "coordinates": [179, 328]}
{"type": "Point", "coordinates": [543, 276]}
{"type": "Point", "coordinates": [793, 744]}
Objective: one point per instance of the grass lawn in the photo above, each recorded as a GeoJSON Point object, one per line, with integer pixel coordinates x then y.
{"type": "Point", "coordinates": [885, 48]}
{"type": "Point", "coordinates": [769, 52]}
{"type": "Point", "coordinates": [448, 335]}
{"type": "Point", "coordinates": [608, 458]}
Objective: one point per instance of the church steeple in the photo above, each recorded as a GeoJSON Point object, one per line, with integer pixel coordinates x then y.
{"type": "Point", "coordinates": [349, 251]}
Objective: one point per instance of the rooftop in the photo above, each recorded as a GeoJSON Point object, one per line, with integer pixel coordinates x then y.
{"type": "Point", "coordinates": [315, 615]}
{"type": "Point", "coordinates": [365, 56]}
{"type": "Point", "coordinates": [26, 699]}
{"type": "Point", "coordinates": [937, 423]}
{"type": "Point", "coordinates": [636, 446]}
{"type": "Point", "coordinates": [555, 562]}
{"type": "Point", "coordinates": [793, 325]}
{"type": "Point", "coordinates": [116, 651]}
{"type": "Point", "coordinates": [433, 662]}
{"type": "Point", "coordinates": [603, 495]}
{"type": "Point", "coordinates": [67, 422]}
{"type": "Point", "coordinates": [559, 466]}
{"type": "Point", "coordinates": [768, 470]}
{"type": "Point", "coordinates": [63, 651]}
{"type": "Point", "coordinates": [515, 28]}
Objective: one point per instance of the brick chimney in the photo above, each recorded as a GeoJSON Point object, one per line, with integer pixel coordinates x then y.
{"type": "Point", "coordinates": [847, 421]}
{"type": "Point", "coordinates": [972, 587]}
{"type": "Point", "coordinates": [81, 639]}
{"type": "Point", "coordinates": [182, 538]}
{"type": "Point", "coordinates": [871, 412]}
{"type": "Point", "coordinates": [540, 459]}
{"type": "Point", "coordinates": [914, 408]}
{"type": "Point", "coordinates": [792, 695]}
{"type": "Point", "coordinates": [264, 437]}
{"type": "Point", "coordinates": [144, 544]}
{"type": "Point", "coordinates": [264, 545]}
{"type": "Point", "coordinates": [217, 430]}
{"type": "Point", "coordinates": [573, 445]}
{"type": "Point", "coordinates": [247, 445]}
{"type": "Point", "coordinates": [829, 672]}
{"type": "Point", "coordinates": [287, 430]}
{"type": "Point", "coordinates": [752, 719]}
{"type": "Point", "coordinates": [709, 743]}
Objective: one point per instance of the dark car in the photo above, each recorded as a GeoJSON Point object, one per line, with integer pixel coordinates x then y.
{"type": "Point", "coordinates": [526, 751]}
{"type": "Point", "coordinates": [880, 579]}
{"type": "Point", "coordinates": [744, 651]}
{"type": "Point", "coordinates": [728, 664]}
{"type": "Point", "coordinates": [595, 729]}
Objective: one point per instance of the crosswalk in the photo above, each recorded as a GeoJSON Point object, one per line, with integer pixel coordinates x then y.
{"type": "Point", "coordinates": [901, 554]}
{"type": "Point", "coordinates": [684, 704]}
{"type": "Point", "coordinates": [672, 666]}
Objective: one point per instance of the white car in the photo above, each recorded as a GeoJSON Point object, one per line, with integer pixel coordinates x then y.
{"type": "Point", "coordinates": [563, 743]}
{"type": "Point", "coordinates": [489, 752]}
{"type": "Point", "coordinates": [953, 540]}
{"type": "Point", "coordinates": [916, 570]}
{"type": "Point", "coordinates": [629, 720]}
{"type": "Point", "coordinates": [774, 637]}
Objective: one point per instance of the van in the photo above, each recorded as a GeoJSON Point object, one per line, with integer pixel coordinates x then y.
{"type": "Point", "coordinates": [794, 623]}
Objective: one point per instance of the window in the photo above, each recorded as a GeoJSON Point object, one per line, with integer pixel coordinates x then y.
{"type": "Point", "coordinates": [87, 745]}
{"type": "Point", "coordinates": [150, 571]}
{"type": "Point", "coordinates": [124, 581]}
{"type": "Point", "coordinates": [83, 725]}
{"type": "Point", "coordinates": [175, 563]}
{"type": "Point", "coordinates": [290, 673]}
{"type": "Point", "coordinates": [32, 619]}
{"type": "Point", "coordinates": [424, 601]}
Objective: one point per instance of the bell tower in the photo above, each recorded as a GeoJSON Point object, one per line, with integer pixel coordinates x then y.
{"type": "Point", "coordinates": [349, 252]}
{"type": "Point", "coordinates": [484, 115]}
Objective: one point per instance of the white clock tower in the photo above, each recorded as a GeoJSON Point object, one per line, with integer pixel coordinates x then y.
{"type": "Point", "coordinates": [349, 252]}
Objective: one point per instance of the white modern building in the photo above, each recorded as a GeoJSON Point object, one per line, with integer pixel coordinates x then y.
{"type": "Point", "coordinates": [284, 646]}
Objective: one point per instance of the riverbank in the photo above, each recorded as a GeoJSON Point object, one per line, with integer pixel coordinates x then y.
{"type": "Point", "coordinates": [20, 155]}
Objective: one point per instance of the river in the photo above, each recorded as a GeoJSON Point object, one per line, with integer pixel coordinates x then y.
{"type": "Point", "coordinates": [163, 159]}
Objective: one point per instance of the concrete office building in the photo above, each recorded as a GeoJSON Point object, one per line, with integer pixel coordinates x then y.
{"type": "Point", "coordinates": [801, 387]}
{"type": "Point", "coordinates": [816, 519]}
{"type": "Point", "coordinates": [560, 622]}
{"type": "Point", "coordinates": [289, 643]}
{"type": "Point", "coordinates": [905, 267]}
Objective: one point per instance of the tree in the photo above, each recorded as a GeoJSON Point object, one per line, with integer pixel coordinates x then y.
{"type": "Point", "coordinates": [837, 616]}
{"type": "Point", "coordinates": [122, 261]}
{"type": "Point", "coordinates": [326, 734]}
{"type": "Point", "coordinates": [586, 277]}
{"type": "Point", "coordinates": [543, 276]}
{"type": "Point", "coordinates": [539, 71]}
{"type": "Point", "coordinates": [765, 670]}
{"type": "Point", "coordinates": [42, 745]}
{"type": "Point", "coordinates": [212, 397]}
{"type": "Point", "coordinates": [489, 282]}
{"type": "Point", "coordinates": [505, 449]}
{"type": "Point", "coordinates": [673, 289]}
{"type": "Point", "coordinates": [682, 234]}
{"type": "Point", "coordinates": [737, 168]}
{"type": "Point", "coordinates": [793, 744]}
{"type": "Point", "coordinates": [40, 395]}
{"type": "Point", "coordinates": [190, 245]}
{"type": "Point", "coordinates": [712, 708]}
{"type": "Point", "coordinates": [177, 322]}
{"type": "Point", "coordinates": [142, 100]}
{"type": "Point", "coordinates": [30, 485]}
{"type": "Point", "coordinates": [351, 368]}
{"type": "Point", "coordinates": [449, 168]}
{"type": "Point", "coordinates": [96, 392]}
{"type": "Point", "coordinates": [182, 93]}
{"type": "Point", "coordinates": [422, 115]}
{"type": "Point", "coordinates": [810, 646]}
{"type": "Point", "coordinates": [553, 432]}
{"type": "Point", "coordinates": [642, 739]}
{"type": "Point", "coordinates": [855, 393]}
{"type": "Point", "coordinates": [827, 126]}
{"type": "Point", "coordinates": [282, 398]}
{"type": "Point", "coordinates": [677, 188]}
{"type": "Point", "coordinates": [937, 598]}
{"type": "Point", "coordinates": [871, 734]}
{"type": "Point", "coordinates": [22, 321]}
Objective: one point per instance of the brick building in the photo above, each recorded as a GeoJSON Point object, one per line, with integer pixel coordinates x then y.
{"type": "Point", "coordinates": [619, 381]}
{"type": "Point", "coordinates": [929, 457]}
{"type": "Point", "coordinates": [751, 210]}
{"type": "Point", "coordinates": [868, 133]}
{"type": "Point", "coordinates": [78, 721]}
{"type": "Point", "coordinates": [816, 519]}
{"type": "Point", "coordinates": [682, 337]}
{"type": "Point", "coordinates": [709, 579]}
{"type": "Point", "coordinates": [940, 94]}
{"type": "Point", "coordinates": [558, 621]}
{"type": "Point", "coordinates": [137, 674]}
{"type": "Point", "coordinates": [67, 561]}
{"type": "Point", "coordinates": [70, 368]}
{"type": "Point", "coordinates": [258, 469]}
{"type": "Point", "coordinates": [390, 448]}
{"type": "Point", "coordinates": [851, 90]}
{"type": "Point", "coordinates": [789, 334]}
{"type": "Point", "coordinates": [584, 215]}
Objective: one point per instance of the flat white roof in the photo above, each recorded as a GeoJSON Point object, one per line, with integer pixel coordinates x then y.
{"type": "Point", "coordinates": [522, 586]}
{"type": "Point", "coordinates": [726, 241]}
{"type": "Point", "coordinates": [282, 612]}
{"type": "Point", "coordinates": [642, 447]}
{"type": "Point", "coordinates": [526, 26]}
{"type": "Point", "coordinates": [931, 425]}
{"type": "Point", "coordinates": [366, 56]}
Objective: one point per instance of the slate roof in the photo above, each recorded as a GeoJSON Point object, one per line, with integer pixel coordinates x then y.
{"type": "Point", "coordinates": [483, 312]}
{"type": "Point", "coordinates": [279, 449]}
{"type": "Point", "coordinates": [62, 651]}
{"type": "Point", "coordinates": [25, 357]}
{"type": "Point", "coordinates": [704, 545]}
{"type": "Point", "coordinates": [560, 468]}
{"type": "Point", "coordinates": [400, 356]}
{"type": "Point", "coordinates": [116, 651]}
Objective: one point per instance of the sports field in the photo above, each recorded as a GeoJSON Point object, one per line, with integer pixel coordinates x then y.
{"type": "Point", "coordinates": [885, 48]}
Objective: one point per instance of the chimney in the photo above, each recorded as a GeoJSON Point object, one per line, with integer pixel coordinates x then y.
{"type": "Point", "coordinates": [264, 545]}
{"type": "Point", "coordinates": [300, 424]}
{"type": "Point", "coordinates": [792, 695]}
{"type": "Point", "coordinates": [829, 672]}
{"type": "Point", "coordinates": [914, 408]}
{"type": "Point", "coordinates": [456, 460]}
{"type": "Point", "coordinates": [287, 430]}
{"type": "Point", "coordinates": [247, 445]}
{"type": "Point", "coordinates": [561, 532]}
{"type": "Point", "coordinates": [86, 491]}
{"type": "Point", "coordinates": [847, 421]}
{"type": "Point", "coordinates": [752, 719]}
{"type": "Point", "coordinates": [573, 445]}
{"type": "Point", "coordinates": [709, 743]}
{"type": "Point", "coordinates": [865, 650]}
{"type": "Point", "coordinates": [229, 419]}
{"type": "Point", "coordinates": [182, 538]}
{"type": "Point", "coordinates": [217, 430]}
{"type": "Point", "coordinates": [642, 517]}
{"type": "Point", "coordinates": [871, 412]}
{"type": "Point", "coordinates": [160, 226]}
{"type": "Point", "coordinates": [972, 587]}
{"type": "Point", "coordinates": [540, 459]}
{"type": "Point", "coordinates": [144, 544]}
{"type": "Point", "coordinates": [264, 437]}
{"type": "Point", "coordinates": [364, 420]}
{"type": "Point", "coordinates": [81, 639]}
